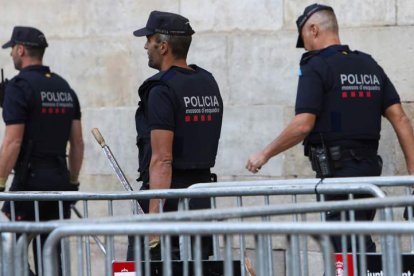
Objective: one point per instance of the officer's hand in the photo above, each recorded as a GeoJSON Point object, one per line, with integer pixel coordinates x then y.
{"type": "Point", "coordinates": [154, 247]}
{"type": "Point", "coordinates": [249, 267]}
{"type": "Point", "coordinates": [256, 161]}
{"type": "Point", "coordinates": [74, 187]}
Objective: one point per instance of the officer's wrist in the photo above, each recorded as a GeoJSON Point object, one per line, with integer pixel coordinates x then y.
{"type": "Point", "coordinates": [154, 243]}
{"type": "Point", "coordinates": [266, 154]}
{"type": "Point", "coordinates": [3, 181]}
{"type": "Point", "coordinates": [74, 179]}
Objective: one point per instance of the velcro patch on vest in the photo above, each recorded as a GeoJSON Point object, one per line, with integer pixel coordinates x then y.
{"type": "Point", "coordinates": [359, 85]}
{"type": "Point", "coordinates": [200, 108]}
{"type": "Point", "coordinates": [55, 102]}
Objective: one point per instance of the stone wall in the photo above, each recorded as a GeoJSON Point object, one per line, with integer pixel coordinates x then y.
{"type": "Point", "coordinates": [248, 45]}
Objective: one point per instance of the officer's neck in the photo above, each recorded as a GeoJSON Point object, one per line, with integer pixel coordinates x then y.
{"type": "Point", "coordinates": [167, 64]}
{"type": "Point", "coordinates": [329, 41]}
{"type": "Point", "coordinates": [29, 62]}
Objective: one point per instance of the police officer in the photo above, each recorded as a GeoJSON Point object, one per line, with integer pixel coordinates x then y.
{"type": "Point", "coordinates": [179, 115]}
{"type": "Point", "coordinates": [41, 113]}
{"type": "Point", "coordinates": [341, 97]}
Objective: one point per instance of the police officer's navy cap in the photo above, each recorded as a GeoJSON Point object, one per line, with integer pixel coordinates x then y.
{"type": "Point", "coordinates": [166, 23]}
{"type": "Point", "coordinates": [27, 36]}
{"type": "Point", "coordinates": [307, 13]}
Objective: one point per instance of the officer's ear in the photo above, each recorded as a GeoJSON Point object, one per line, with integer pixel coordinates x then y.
{"type": "Point", "coordinates": [20, 50]}
{"type": "Point", "coordinates": [164, 47]}
{"type": "Point", "coordinates": [314, 29]}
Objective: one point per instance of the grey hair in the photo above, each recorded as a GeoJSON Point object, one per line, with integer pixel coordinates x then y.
{"type": "Point", "coordinates": [162, 38]}
{"type": "Point", "coordinates": [179, 44]}
{"type": "Point", "coordinates": [326, 20]}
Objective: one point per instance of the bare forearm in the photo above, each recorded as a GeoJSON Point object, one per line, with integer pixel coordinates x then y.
{"type": "Point", "coordinates": [75, 159]}
{"type": "Point", "coordinates": [402, 126]}
{"type": "Point", "coordinates": [290, 137]}
{"type": "Point", "coordinates": [76, 150]}
{"type": "Point", "coordinates": [10, 148]}
{"type": "Point", "coordinates": [406, 139]}
{"type": "Point", "coordinates": [8, 157]}
{"type": "Point", "coordinates": [160, 178]}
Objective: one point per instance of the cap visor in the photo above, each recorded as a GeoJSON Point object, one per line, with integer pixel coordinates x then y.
{"type": "Point", "coordinates": [143, 32]}
{"type": "Point", "coordinates": [299, 43]}
{"type": "Point", "coordinates": [7, 45]}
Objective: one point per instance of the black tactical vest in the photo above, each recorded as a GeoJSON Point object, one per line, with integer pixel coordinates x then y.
{"type": "Point", "coordinates": [198, 118]}
{"type": "Point", "coordinates": [353, 100]}
{"type": "Point", "coordinates": [51, 110]}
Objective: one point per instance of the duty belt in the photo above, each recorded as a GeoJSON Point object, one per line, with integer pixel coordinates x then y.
{"type": "Point", "coordinates": [324, 160]}
{"type": "Point", "coordinates": [356, 153]}
{"type": "Point", "coordinates": [339, 153]}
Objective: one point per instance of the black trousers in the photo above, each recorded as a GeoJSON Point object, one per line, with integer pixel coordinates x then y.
{"type": "Point", "coordinates": [44, 178]}
{"type": "Point", "coordinates": [180, 179]}
{"type": "Point", "coordinates": [368, 166]}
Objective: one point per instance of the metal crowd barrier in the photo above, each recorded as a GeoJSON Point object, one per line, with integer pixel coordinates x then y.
{"type": "Point", "coordinates": [184, 194]}
{"type": "Point", "coordinates": [320, 231]}
{"type": "Point", "coordinates": [210, 215]}
{"type": "Point", "coordinates": [6, 253]}
{"type": "Point", "coordinates": [376, 180]}
{"type": "Point", "coordinates": [265, 189]}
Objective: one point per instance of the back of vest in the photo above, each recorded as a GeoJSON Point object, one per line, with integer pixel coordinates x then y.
{"type": "Point", "coordinates": [53, 107]}
{"type": "Point", "coordinates": [353, 101]}
{"type": "Point", "coordinates": [198, 119]}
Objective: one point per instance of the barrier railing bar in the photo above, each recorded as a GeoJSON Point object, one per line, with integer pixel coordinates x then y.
{"type": "Point", "coordinates": [198, 228]}
{"type": "Point", "coordinates": [200, 215]}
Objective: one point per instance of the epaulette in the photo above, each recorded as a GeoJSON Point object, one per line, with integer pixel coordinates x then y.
{"type": "Point", "coordinates": [157, 79]}
{"type": "Point", "coordinates": [16, 79]}
{"type": "Point", "coordinates": [327, 52]}
{"type": "Point", "coordinates": [308, 56]}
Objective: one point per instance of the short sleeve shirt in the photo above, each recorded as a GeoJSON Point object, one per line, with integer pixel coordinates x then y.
{"type": "Point", "coordinates": [161, 103]}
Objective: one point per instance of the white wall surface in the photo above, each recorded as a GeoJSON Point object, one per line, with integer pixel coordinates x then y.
{"type": "Point", "coordinates": [249, 47]}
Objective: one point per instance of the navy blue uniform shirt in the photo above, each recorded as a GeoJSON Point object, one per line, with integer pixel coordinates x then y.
{"type": "Point", "coordinates": [46, 104]}
{"type": "Point", "coordinates": [188, 102]}
{"type": "Point", "coordinates": [347, 91]}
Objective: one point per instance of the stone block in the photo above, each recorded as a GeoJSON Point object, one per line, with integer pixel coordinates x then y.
{"type": "Point", "coordinates": [117, 126]}
{"type": "Point", "coordinates": [248, 129]}
{"type": "Point", "coordinates": [48, 17]}
{"type": "Point", "coordinates": [405, 12]}
{"type": "Point", "coordinates": [106, 79]}
{"type": "Point", "coordinates": [391, 54]}
{"type": "Point", "coordinates": [349, 13]}
{"type": "Point", "coordinates": [228, 15]}
{"type": "Point", "coordinates": [263, 69]}
{"type": "Point", "coordinates": [83, 18]}
{"type": "Point", "coordinates": [387, 148]}
{"type": "Point", "coordinates": [296, 164]}
{"type": "Point", "coordinates": [122, 17]}
{"type": "Point", "coordinates": [210, 52]}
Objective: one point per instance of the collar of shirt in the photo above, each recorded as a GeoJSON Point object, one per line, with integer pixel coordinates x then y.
{"type": "Point", "coordinates": [37, 67]}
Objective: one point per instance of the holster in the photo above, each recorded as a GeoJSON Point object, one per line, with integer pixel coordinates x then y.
{"type": "Point", "coordinates": [321, 161]}
{"type": "Point", "coordinates": [22, 168]}
{"type": "Point", "coordinates": [326, 159]}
